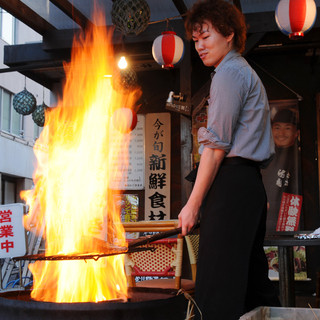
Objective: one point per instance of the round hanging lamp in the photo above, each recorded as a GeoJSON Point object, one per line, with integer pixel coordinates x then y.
{"type": "Point", "coordinates": [295, 17]}
{"type": "Point", "coordinates": [24, 102]}
{"type": "Point", "coordinates": [38, 115]}
{"type": "Point", "coordinates": [131, 17]}
{"type": "Point", "coordinates": [168, 49]}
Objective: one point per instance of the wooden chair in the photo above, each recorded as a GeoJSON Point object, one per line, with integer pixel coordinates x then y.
{"type": "Point", "coordinates": [164, 262]}
{"type": "Point", "coordinates": [192, 241]}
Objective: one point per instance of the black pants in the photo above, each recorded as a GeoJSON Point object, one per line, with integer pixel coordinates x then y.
{"type": "Point", "coordinates": [232, 273]}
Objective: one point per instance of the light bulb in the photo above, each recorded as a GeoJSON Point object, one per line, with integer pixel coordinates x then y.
{"type": "Point", "coordinates": [123, 64]}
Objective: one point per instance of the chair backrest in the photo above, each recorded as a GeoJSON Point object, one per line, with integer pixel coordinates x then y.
{"type": "Point", "coordinates": [164, 261]}
{"type": "Point", "coordinates": [192, 241]}
{"type": "Point", "coordinates": [156, 263]}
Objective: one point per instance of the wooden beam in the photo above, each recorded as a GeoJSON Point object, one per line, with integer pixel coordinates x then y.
{"type": "Point", "coordinates": [21, 54]}
{"type": "Point", "coordinates": [72, 12]}
{"type": "Point", "coordinates": [261, 22]}
{"type": "Point", "coordinates": [62, 39]}
{"type": "Point", "coordinates": [26, 15]}
{"type": "Point", "coordinates": [59, 39]}
{"type": "Point", "coordinates": [181, 7]}
{"type": "Point", "coordinates": [42, 79]}
{"type": "Point", "coordinates": [53, 65]}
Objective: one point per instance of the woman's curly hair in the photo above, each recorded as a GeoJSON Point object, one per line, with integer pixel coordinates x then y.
{"type": "Point", "coordinates": [224, 17]}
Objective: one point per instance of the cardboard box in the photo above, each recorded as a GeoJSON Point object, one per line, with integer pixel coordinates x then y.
{"type": "Point", "coordinates": [275, 313]}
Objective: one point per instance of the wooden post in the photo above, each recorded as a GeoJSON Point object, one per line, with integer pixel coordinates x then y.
{"type": "Point", "coordinates": [185, 131]}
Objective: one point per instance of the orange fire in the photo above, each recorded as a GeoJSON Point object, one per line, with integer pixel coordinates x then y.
{"type": "Point", "coordinates": [75, 166]}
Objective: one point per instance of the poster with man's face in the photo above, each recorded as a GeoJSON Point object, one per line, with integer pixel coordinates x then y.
{"type": "Point", "coordinates": [282, 178]}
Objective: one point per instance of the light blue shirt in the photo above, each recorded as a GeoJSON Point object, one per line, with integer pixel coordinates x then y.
{"type": "Point", "coordinates": [238, 112]}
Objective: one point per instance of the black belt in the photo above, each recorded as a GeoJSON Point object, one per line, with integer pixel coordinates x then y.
{"type": "Point", "coordinates": [240, 161]}
{"type": "Point", "coordinates": [226, 162]}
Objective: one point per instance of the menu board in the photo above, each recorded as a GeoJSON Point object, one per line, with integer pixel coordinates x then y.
{"type": "Point", "coordinates": [133, 157]}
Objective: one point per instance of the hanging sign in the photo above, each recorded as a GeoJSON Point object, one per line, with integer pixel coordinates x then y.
{"type": "Point", "coordinates": [12, 232]}
{"type": "Point", "coordinates": [289, 213]}
{"type": "Point", "coordinates": [157, 168]}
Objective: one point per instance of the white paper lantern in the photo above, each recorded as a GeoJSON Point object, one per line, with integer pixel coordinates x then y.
{"type": "Point", "coordinates": [168, 49]}
{"type": "Point", "coordinates": [295, 17]}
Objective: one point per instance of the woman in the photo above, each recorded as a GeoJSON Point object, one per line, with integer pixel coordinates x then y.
{"type": "Point", "coordinates": [232, 273]}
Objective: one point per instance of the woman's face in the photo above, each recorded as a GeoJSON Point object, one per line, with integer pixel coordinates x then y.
{"type": "Point", "coordinates": [284, 134]}
{"type": "Point", "coordinates": [211, 45]}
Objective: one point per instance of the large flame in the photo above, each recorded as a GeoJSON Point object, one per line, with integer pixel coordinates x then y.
{"type": "Point", "coordinates": [71, 195]}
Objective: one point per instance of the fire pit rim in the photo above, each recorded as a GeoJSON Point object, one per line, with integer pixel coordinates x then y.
{"type": "Point", "coordinates": [79, 306]}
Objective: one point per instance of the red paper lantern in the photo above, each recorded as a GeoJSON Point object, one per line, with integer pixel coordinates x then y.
{"type": "Point", "coordinates": [295, 17]}
{"type": "Point", "coordinates": [168, 49]}
{"type": "Point", "coordinates": [124, 120]}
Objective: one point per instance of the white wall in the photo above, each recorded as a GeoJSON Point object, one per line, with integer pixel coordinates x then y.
{"type": "Point", "coordinates": [26, 34]}
{"type": "Point", "coordinates": [16, 154]}
{"type": "Point", "coordinates": [16, 158]}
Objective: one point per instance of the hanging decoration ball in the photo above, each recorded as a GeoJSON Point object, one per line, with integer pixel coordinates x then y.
{"type": "Point", "coordinates": [131, 17]}
{"type": "Point", "coordinates": [126, 79]}
{"type": "Point", "coordinates": [168, 49]}
{"type": "Point", "coordinates": [38, 115]}
{"type": "Point", "coordinates": [24, 102]}
{"type": "Point", "coordinates": [295, 17]}
{"type": "Point", "coordinates": [129, 78]}
{"type": "Point", "coordinates": [124, 120]}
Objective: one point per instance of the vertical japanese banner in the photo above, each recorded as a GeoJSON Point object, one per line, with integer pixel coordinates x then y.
{"type": "Point", "coordinates": [12, 232]}
{"type": "Point", "coordinates": [158, 164]}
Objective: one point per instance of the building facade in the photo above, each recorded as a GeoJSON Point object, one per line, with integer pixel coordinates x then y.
{"type": "Point", "coordinates": [17, 132]}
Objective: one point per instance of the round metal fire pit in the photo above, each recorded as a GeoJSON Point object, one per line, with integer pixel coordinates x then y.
{"type": "Point", "coordinates": [143, 305]}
